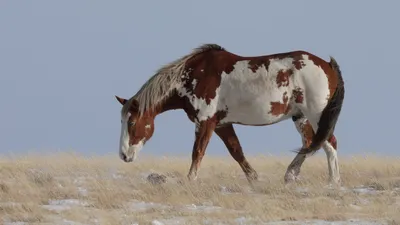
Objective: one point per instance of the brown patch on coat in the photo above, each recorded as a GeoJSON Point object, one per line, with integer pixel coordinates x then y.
{"type": "Point", "coordinates": [256, 63]}
{"type": "Point", "coordinates": [282, 78]}
{"type": "Point", "coordinates": [278, 108]}
{"type": "Point", "coordinates": [206, 70]}
{"type": "Point", "coordinates": [298, 95]}
{"type": "Point", "coordinates": [140, 130]}
{"type": "Point", "coordinates": [298, 61]}
{"type": "Point", "coordinates": [332, 140]}
{"type": "Point", "coordinates": [221, 114]}
{"type": "Point", "coordinates": [308, 133]}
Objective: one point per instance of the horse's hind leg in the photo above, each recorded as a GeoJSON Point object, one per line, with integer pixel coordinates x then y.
{"type": "Point", "coordinates": [231, 141]}
{"type": "Point", "coordinates": [306, 131]}
{"type": "Point", "coordinates": [330, 148]}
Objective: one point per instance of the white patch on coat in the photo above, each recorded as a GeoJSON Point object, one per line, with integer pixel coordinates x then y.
{"type": "Point", "coordinates": [248, 95]}
{"type": "Point", "coordinates": [124, 138]}
{"type": "Point", "coordinates": [148, 126]}
{"type": "Point", "coordinates": [194, 83]}
{"type": "Point", "coordinates": [130, 151]}
{"type": "Point", "coordinates": [135, 149]}
{"type": "Point", "coordinates": [333, 164]}
{"type": "Point", "coordinates": [315, 85]}
{"type": "Point", "coordinates": [206, 111]}
{"type": "Point", "coordinates": [299, 124]}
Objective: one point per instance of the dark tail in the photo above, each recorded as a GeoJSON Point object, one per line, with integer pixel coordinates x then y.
{"type": "Point", "coordinates": [330, 115]}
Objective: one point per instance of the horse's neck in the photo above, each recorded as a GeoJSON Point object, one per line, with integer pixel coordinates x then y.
{"type": "Point", "coordinates": [173, 102]}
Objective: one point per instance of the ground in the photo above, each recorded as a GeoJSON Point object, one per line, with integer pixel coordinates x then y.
{"type": "Point", "coordinates": [72, 189]}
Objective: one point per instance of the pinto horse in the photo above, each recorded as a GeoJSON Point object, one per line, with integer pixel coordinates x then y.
{"type": "Point", "coordinates": [217, 88]}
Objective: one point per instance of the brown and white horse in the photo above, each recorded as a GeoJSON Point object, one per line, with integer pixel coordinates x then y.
{"type": "Point", "coordinates": [217, 89]}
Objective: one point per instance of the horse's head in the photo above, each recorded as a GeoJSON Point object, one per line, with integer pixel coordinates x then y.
{"type": "Point", "coordinates": [135, 130]}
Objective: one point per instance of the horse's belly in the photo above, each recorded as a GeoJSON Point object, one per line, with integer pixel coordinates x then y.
{"type": "Point", "coordinates": [254, 115]}
{"type": "Point", "coordinates": [258, 110]}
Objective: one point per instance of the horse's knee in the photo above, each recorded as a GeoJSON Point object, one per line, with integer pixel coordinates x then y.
{"type": "Point", "coordinates": [333, 141]}
{"type": "Point", "coordinates": [305, 129]}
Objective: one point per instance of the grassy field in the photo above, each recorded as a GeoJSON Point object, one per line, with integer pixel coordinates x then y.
{"type": "Point", "coordinates": [71, 189]}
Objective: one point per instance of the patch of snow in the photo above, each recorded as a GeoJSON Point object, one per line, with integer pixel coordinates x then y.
{"type": "Point", "coordinates": [333, 187]}
{"type": "Point", "coordinates": [9, 204]}
{"type": "Point", "coordinates": [363, 201]}
{"type": "Point", "coordinates": [57, 208]}
{"type": "Point", "coordinates": [69, 222]}
{"type": "Point", "coordinates": [156, 222]}
{"type": "Point", "coordinates": [302, 190]}
{"type": "Point", "coordinates": [365, 190]}
{"type": "Point", "coordinates": [79, 181]}
{"type": "Point", "coordinates": [324, 222]}
{"type": "Point", "coordinates": [95, 221]}
{"type": "Point", "coordinates": [63, 204]}
{"type": "Point", "coordinates": [356, 207]}
{"type": "Point", "coordinates": [228, 191]}
{"type": "Point", "coordinates": [174, 221]}
{"type": "Point", "coordinates": [244, 221]}
{"type": "Point", "coordinates": [117, 176]}
{"type": "Point", "coordinates": [67, 202]}
{"type": "Point", "coordinates": [202, 207]}
{"type": "Point", "coordinates": [82, 191]}
{"type": "Point", "coordinates": [241, 220]}
{"type": "Point", "coordinates": [142, 206]}
{"type": "Point", "coordinates": [224, 190]}
{"type": "Point", "coordinates": [15, 223]}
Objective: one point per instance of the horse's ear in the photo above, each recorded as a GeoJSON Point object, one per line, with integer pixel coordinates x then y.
{"type": "Point", "coordinates": [121, 100]}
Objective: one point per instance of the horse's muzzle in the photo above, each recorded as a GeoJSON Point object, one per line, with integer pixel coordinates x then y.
{"type": "Point", "coordinates": [125, 158]}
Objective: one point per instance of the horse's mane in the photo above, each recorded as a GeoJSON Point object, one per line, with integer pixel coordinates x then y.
{"type": "Point", "coordinates": [160, 85]}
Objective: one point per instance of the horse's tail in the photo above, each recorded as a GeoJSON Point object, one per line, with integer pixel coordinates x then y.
{"type": "Point", "coordinates": [330, 114]}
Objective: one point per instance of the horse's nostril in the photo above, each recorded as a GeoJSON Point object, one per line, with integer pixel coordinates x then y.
{"type": "Point", "coordinates": [123, 156]}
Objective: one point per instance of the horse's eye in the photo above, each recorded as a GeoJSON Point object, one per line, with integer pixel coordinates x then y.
{"type": "Point", "coordinates": [131, 123]}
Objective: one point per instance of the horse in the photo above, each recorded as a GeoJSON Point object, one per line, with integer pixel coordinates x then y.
{"type": "Point", "coordinates": [217, 89]}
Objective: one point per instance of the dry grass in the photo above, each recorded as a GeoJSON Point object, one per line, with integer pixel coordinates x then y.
{"type": "Point", "coordinates": [112, 192]}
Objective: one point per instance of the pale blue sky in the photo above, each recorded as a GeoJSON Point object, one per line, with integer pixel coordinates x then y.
{"type": "Point", "coordinates": [62, 62]}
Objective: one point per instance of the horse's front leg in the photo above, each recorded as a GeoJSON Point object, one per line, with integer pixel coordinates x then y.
{"type": "Point", "coordinates": [231, 141]}
{"type": "Point", "coordinates": [203, 134]}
